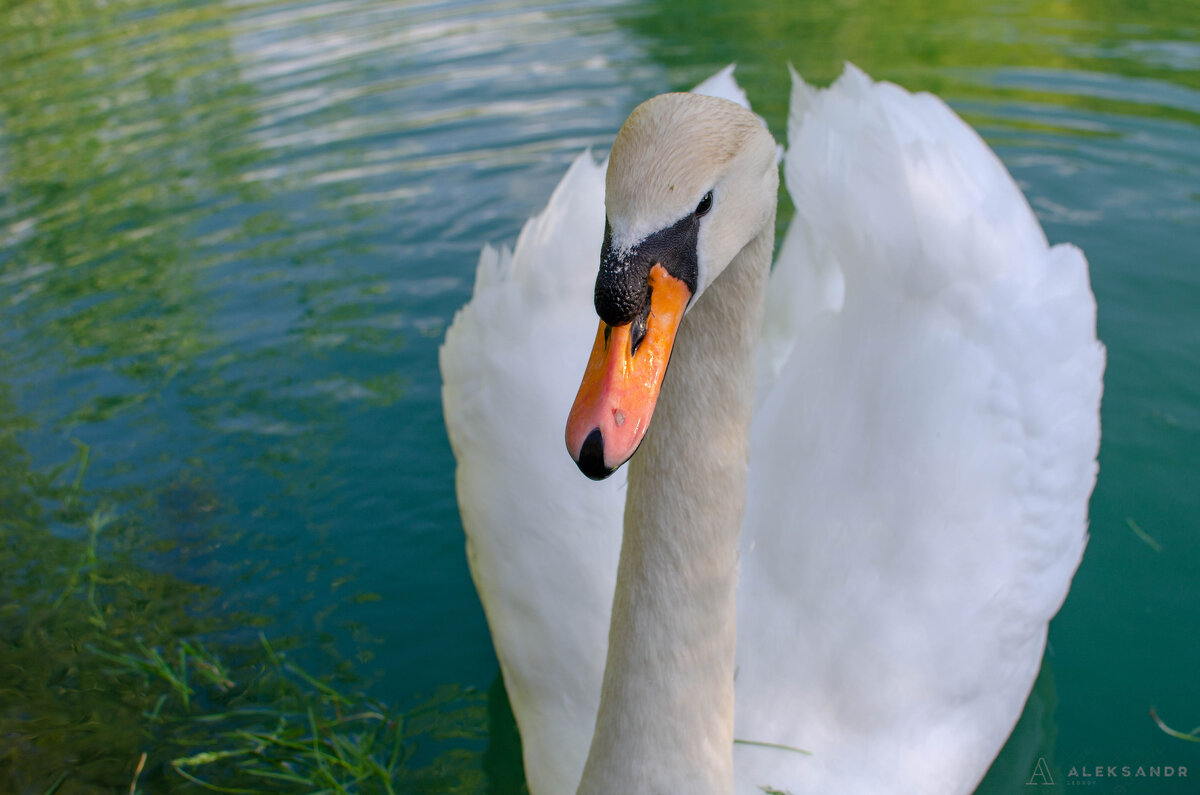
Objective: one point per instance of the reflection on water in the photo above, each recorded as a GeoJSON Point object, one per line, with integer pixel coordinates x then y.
{"type": "Point", "coordinates": [231, 237]}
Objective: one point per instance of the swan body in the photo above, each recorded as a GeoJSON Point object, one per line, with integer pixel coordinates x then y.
{"type": "Point", "coordinates": [921, 453]}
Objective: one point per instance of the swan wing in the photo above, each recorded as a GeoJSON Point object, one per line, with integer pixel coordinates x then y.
{"type": "Point", "coordinates": [921, 458]}
{"type": "Point", "coordinates": [542, 540]}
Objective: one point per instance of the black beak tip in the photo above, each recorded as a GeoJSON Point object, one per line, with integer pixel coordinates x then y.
{"type": "Point", "coordinates": [591, 457]}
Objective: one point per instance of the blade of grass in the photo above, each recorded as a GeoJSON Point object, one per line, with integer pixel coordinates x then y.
{"type": "Point", "coordinates": [57, 783]}
{"type": "Point", "coordinates": [1192, 737]}
{"type": "Point", "coordinates": [215, 787]}
{"type": "Point", "coordinates": [137, 774]}
{"type": "Point", "coordinates": [317, 683]}
{"type": "Point", "coordinates": [271, 774]}
{"type": "Point", "coordinates": [208, 757]}
{"type": "Point", "coordinates": [773, 745]}
{"type": "Point", "coordinates": [1142, 534]}
{"type": "Point", "coordinates": [318, 754]}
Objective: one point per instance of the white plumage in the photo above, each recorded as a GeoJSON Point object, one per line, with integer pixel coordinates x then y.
{"type": "Point", "coordinates": [922, 454]}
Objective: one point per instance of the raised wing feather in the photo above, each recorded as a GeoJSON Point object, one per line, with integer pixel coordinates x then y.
{"type": "Point", "coordinates": [922, 456]}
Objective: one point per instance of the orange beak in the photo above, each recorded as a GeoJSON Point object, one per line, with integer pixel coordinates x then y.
{"type": "Point", "coordinates": [621, 384]}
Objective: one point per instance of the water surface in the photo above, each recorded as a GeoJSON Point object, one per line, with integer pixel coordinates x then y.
{"type": "Point", "coordinates": [233, 234]}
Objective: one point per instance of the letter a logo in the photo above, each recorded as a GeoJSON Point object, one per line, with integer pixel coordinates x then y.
{"type": "Point", "coordinates": [1041, 773]}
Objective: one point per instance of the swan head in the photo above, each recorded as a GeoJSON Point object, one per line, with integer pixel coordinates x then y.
{"type": "Point", "coordinates": [691, 180]}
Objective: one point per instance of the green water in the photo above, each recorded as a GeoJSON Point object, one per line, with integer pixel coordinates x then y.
{"type": "Point", "coordinates": [232, 236]}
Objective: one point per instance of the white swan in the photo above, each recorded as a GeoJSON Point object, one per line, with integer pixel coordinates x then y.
{"type": "Point", "coordinates": [921, 455]}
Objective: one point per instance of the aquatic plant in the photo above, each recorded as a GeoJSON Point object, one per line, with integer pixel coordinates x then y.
{"type": "Point", "coordinates": [116, 677]}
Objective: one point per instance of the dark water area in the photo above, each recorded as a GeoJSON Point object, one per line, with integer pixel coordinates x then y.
{"type": "Point", "coordinates": [232, 236]}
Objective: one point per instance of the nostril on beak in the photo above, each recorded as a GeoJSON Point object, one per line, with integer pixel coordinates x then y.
{"type": "Point", "coordinates": [591, 456]}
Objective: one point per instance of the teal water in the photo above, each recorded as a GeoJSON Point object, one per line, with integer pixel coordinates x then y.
{"type": "Point", "coordinates": [233, 234]}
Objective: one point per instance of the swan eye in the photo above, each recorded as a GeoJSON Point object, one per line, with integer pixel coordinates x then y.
{"type": "Point", "coordinates": [704, 206]}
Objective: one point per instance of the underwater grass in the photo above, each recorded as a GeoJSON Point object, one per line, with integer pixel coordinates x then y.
{"type": "Point", "coordinates": [284, 730]}
{"type": "Point", "coordinates": [118, 678]}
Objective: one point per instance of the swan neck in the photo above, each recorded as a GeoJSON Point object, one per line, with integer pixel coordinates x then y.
{"type": "Point", "coordinates": [665, 722]}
